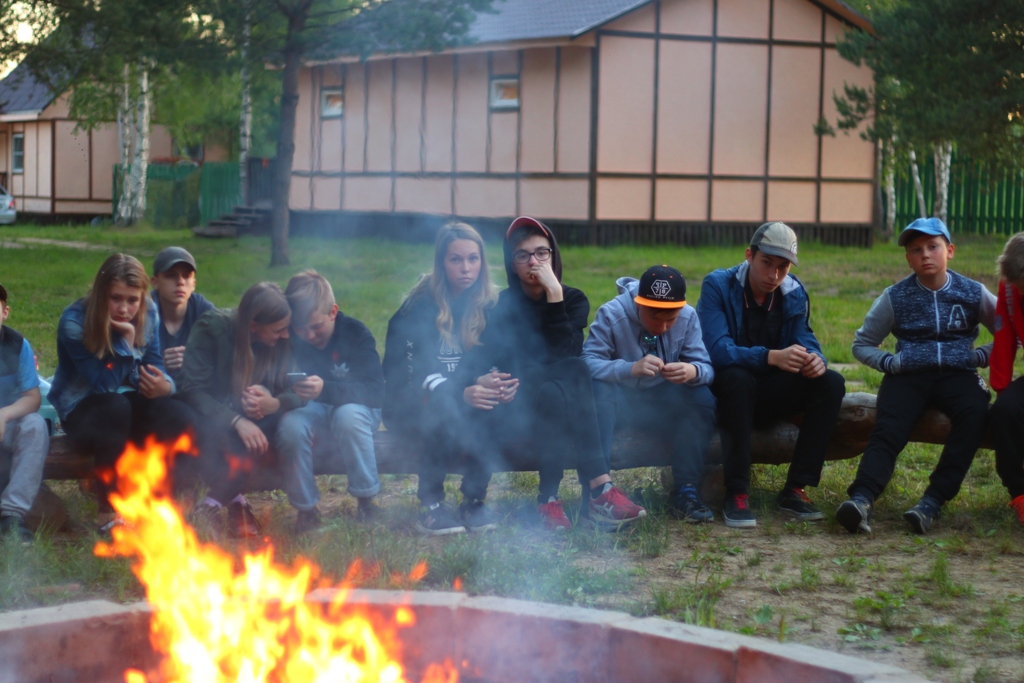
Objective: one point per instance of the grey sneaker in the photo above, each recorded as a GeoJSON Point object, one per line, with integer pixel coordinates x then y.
{"type": "Point", "coordinates": [855, 515]}
{"type": "Point", "coordinates": [15, 524]}
{"type": "Point", "coordinates": [685, 504]}
{"type": "Point", "coordinates": [439, 520]}
{"type": "Point", "coordinates": [922, 516]}
{"type": "Point", "coordinates": [477, 516]}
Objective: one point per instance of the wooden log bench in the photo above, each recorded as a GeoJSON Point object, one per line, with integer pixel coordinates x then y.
{"type": "Point", "coordinates": [772, 445]}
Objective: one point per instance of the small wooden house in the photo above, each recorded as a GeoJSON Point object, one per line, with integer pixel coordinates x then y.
{"type": "Point", "coordinates": [681, 120]}
{"type": "Point", "coordinates": [50, 167]}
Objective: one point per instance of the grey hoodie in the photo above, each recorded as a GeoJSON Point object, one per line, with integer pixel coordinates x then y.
{"type": "Point", "coordinates": [615, 342]}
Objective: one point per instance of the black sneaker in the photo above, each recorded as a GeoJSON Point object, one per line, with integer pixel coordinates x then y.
{"type": "Point", "coordinates": [685, 504]}
{"type": "Point", "coordinates": [242, 522]}
{"type": "Point", "coordinates": [15, 525]}
{"type": "Point", "coordinates": [736, 512]}
{"type": "Point", "coordinates": [307, 521]}
{"type": "Point", "coordinates": [855, 515]}
{"type": "Point", "coordinates": [439, 520]}
{"type": "Point", "coordinates": [796, 504]}
{"type": "Point", "coordinates": [477, 516]}
{"type": "Point", "coordinates": [367, 510]}
{"type": "Point", "coordinates": [922, 516]}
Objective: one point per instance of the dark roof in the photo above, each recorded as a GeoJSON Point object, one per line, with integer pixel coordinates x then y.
{"type": "Point", "coordinates": [532, 19]}
{"type": "Point", "coordinates": [20, 91]}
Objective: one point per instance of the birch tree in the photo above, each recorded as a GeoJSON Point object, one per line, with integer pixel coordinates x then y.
{"type": "Point", "coordinates": [291, 31]}
{"type": "Point", "coordinates": [947, 74]}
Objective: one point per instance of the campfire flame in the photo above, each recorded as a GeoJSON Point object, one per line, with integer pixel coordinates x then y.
{"type": "Point", "coordinates": [216, 624]}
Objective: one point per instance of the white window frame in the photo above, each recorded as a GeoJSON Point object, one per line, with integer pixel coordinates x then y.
{"type": "Point", "coordinates": [330, 111]}
{"type": "Point", "coordinates": [17, 167]}
{"type": "Point", "coordinates": [499, 104]}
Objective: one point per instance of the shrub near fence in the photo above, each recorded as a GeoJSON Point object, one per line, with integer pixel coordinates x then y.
{"type": "Point", "coordinates": [979, 202]}
{"type": "Point", "coordinates": [172, 194]}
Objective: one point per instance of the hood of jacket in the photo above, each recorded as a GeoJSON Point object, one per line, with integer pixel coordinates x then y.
{"type": "Point", "coordinates": [510, 266]}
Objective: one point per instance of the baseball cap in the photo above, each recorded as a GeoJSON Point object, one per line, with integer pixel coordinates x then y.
{"type": "Point", "coordinates": [172, 256]}
{"type": "Point", "coordinates": [924, 226]}
{"type": "Point", "coordinates": [3, 294]}
{"type": "Point", "coordinates": [776, 239]}
{"type": "Point", "coordinates": [661, 287]}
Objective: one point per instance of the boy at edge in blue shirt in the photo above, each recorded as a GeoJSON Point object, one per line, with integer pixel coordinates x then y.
{"type": "Point", "coordinates": [24, 438]}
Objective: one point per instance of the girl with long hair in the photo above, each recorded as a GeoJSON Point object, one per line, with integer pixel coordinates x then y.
{"type": "Point", "coordinates": [442, 317]}
{"type": "Point", "coordinates": [110, 385]}
{"type": "Point", "coordinates": [234, 375]}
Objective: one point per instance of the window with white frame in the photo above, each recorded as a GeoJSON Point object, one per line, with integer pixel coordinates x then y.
{"type": "Point", "coordinates": [332, 103]}
{"type": "Point", "coordinates": [18, 153]}
{"type": "Point", "coordinates": [505, 92]}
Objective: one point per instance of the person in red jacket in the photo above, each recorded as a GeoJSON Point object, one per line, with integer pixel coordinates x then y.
{"type": "Point", "coordinates": [1006, 420]}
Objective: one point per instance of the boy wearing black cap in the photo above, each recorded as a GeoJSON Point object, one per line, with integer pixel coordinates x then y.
{"type": "Point", "coordinates": [755, 319]}
{"type": "Point", "coordinates": [174, 293]}
{"type": "Point", "coordinates": [651, 370]}
{"type": "Point", "coordinates": [24, 438]}
{"type": "Point", "coordinates": [934, 315]}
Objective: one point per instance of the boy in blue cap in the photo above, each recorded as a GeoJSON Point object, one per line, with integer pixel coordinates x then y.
{"type": "Point", "coordinates": [934, 315]}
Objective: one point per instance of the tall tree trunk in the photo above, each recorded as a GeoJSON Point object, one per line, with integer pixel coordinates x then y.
{"type": "Point", "coordinates": [890, 188]}
{"type": "Point", "coordinates": [125, 128]}
{"type": "Point", "coordinates": [943, 158]}
{"type": "Point", "coordinates": [921, 208]}
{"type": "Point", "coordinates": [140, 163]}
{"type": "Point", "coordinates": [286, 137]}
{"type": "Point", "coordinates": [245, 120]}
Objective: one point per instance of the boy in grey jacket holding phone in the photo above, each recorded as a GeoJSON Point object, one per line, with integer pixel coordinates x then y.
{"type": "Point", "coordinates": [651, 371]}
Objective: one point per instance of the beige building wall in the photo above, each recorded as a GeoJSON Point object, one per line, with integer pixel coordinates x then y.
{"type": "Point", "coordinates": [705, 112]}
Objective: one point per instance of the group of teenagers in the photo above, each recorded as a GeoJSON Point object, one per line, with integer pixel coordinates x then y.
{"type": "Point", "coordinates": [286, 381]}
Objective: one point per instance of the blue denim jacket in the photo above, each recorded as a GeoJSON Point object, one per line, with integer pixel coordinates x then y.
{"type": "Point", "coordinates": [720, 310]}
{"type": "Point", "coordinates": [80, 373]}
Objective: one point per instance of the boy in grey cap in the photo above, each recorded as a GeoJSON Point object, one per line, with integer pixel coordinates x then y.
{"type": "Point", "coordinates": [174, 293]}
{"type": "Point", "coordinates": [755, 319]}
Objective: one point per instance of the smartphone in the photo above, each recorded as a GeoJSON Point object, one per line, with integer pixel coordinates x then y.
{"type": "Point", "coordinates": [294, 377]}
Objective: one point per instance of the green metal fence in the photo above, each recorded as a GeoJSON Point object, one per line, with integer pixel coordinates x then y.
{"type": "Point", "coordinates": [172, 194]}
{"type": "Point", "coordinates": [186, 195]}
{"type": "Point", "coordinates": [979, 202]}
{"type": "Point", "coordinates": [218, 189]}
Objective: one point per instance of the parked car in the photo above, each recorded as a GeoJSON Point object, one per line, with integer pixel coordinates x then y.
{"type": "Point", "coordinates": [8, 214]}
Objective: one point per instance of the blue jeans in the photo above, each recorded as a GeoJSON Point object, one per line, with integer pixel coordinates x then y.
{"type": "Point", "coordinates": [322, 437]}
{"type": "Point", "coordinates": [26, 441]}
{"type": "Point", "coordinates": [680, 414]}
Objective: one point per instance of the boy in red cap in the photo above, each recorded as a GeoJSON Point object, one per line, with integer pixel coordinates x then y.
{"type": "Point", "coordinates": [530, 385]}
{"type": "Point", "coordinates": [651, 370]}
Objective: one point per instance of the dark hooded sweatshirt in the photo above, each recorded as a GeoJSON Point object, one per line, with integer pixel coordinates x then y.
{"type": "Point", "coordinates": [523, 335]}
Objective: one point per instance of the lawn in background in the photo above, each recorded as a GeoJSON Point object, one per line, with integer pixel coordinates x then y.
{"type": "Point", "coordinates": [948, 605]}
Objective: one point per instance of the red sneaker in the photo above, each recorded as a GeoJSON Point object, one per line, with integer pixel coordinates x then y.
{"type": "Point", "coordinates": [612, 508]}
{"type": "Point", "coordinates": [553, 516]}
{"type": "Point", "coordinates": [1018, 506]}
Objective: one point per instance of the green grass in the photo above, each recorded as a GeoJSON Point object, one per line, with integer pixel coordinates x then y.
{"type": "Point", "coordinates": [938, 598]}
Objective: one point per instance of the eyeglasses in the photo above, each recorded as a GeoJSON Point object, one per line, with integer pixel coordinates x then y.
{"type": "Point", "coordinates": [542, 254]}
{"type": "Point", "coordinates": [651, 342]}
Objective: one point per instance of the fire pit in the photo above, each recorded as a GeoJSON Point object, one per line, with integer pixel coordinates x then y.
{"type": "Point", "coordinates": [488, 639]}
